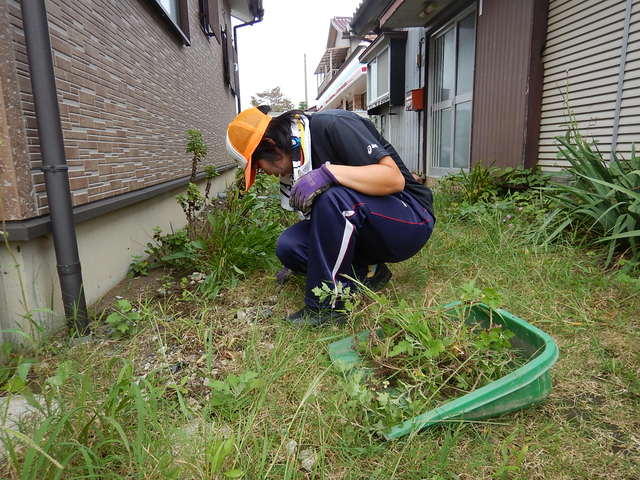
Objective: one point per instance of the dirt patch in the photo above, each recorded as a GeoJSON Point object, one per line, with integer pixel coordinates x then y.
{"type": "Point", "coordinates": [132, 289]}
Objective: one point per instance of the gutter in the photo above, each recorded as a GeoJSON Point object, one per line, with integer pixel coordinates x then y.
{"type": "Point", "coordinates": [54, 164]}
{"type": "Point", "coordinates": [259, 11]}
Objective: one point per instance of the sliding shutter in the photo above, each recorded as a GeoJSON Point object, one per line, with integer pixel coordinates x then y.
{"type": "Point", "coordinates": [210, 18]}
{"type": "Point", "coordinates": [229, 60]}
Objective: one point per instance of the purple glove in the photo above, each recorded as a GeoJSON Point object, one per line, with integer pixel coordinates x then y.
{"type": "Point", "coordinates": [309, 186]}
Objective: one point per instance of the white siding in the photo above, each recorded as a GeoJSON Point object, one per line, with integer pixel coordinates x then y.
{"type": "Point", "coordinates": [582, 63]}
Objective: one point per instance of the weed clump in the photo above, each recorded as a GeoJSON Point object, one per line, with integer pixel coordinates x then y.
{"type": "Point", "coordinates": [225, 239]}
{"type": "Point", "coordinates": [416, 359]}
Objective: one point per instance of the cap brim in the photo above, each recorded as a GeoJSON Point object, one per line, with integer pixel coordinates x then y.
{"type": "Point", "coordinates": [249, 176]}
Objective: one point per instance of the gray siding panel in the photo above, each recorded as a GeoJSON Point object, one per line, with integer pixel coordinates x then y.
{"type": "Point", "coordinates": [582, 63]}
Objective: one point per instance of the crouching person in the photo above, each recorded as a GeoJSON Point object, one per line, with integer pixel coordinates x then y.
{"type": "Point", "coordinates": [361, 206]}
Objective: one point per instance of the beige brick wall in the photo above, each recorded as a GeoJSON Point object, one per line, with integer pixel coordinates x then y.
{"type": "Point", "coordinates": [128, 89]}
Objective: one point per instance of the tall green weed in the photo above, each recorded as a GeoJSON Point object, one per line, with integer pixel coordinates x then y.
{"type": "Point", "coordinates": [601, 203]}
{"type": "Point", "coordinates": [126, 428]}
{"type": "Point", "coordinates": [231, 238]}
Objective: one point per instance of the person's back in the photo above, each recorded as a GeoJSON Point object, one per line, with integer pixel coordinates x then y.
{"type": "Point", "coordinates": [343, 137]}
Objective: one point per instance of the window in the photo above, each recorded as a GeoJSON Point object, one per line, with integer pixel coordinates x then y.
{"type": "Point", "coordinates": [229, 60]}
{"type": "Point", "coordinates": [210, 18]}
{"type": "Point", "coordinates": [385, 71]}
{"type": "Point", "coordinates": [372, 81]}
{"type": "Point", "coordinates": [171, 9]}
{"type": "Point", "coordinates": [451, 70]}
{"type": "Point", "coordinates": [378, 77]}
{"type": "Point", "coordinates": [176, 14]}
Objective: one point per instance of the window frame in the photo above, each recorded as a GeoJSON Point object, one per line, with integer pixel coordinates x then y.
{"type": "Point", "coordinates": [182, 27]}
{"type": "Point", "coordinates": [434, 169]}
{"type": "Point", "coordinates": [393, 46]}
{"type": "Point", "coordinates": [372, 78]}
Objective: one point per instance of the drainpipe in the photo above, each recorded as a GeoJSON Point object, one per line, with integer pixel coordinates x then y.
{"type": "Point", "coordinates": [257, 19]}
{"type": "Point", "coordinates": [54, 165]}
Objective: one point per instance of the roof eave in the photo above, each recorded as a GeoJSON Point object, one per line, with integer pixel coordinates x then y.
{"type": "Point", "coordinates": [366, 17]}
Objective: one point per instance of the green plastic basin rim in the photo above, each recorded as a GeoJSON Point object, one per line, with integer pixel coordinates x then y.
{"type": "Point", "coordinates": [498, 389]}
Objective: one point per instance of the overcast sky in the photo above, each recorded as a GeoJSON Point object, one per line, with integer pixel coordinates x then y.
{"type": "Point", "coordinates": [271, 53]}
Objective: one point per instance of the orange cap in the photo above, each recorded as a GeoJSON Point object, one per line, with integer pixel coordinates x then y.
{"type": "Point", "coordinates": [243, 136]}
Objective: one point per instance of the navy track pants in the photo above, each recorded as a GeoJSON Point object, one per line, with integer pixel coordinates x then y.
{"type": "Point", "coordinates": [349, 231]}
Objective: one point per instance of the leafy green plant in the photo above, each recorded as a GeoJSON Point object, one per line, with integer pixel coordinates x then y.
{"type": "Point", "coordinates": [191, 201]}
{"type": "Point", "coordinates": [603, 200]}
{"type": "Point", "coordinates": [198, 148]}
{"type": "Point", "coordinates": [233, 393]}
{"type": "Point", "coordinates": [139, 267]}
{"type": "Point", "coordinates": [211, 173]}
{"type": "Point", "coordinates": [235, 236]}
{"type": "Point", "coordinates": [216, 453]}
{"type": "Point", "coordinates": [14, 375]}
{"type": "Point", "coordinates": [124, 319]}
{"type": "Point", "coordinates": [486, 184]}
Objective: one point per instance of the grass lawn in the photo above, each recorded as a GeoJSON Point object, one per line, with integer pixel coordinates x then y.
{"type": "Point", "coordinates": [142, 406]}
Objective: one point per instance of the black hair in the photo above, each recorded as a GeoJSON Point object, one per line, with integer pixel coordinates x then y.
{"type": "Point", "coordinates": [279, 131]}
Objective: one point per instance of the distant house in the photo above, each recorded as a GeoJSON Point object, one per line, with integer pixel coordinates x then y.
{"type": "Point", "coordinates": [494, 76]}
{"type": "Point", "coordinates": [340, 76]}
{"type": "Point", "coordinates": [132, 76]}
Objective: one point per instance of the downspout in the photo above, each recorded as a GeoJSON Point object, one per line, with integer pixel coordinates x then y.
{"type": "Point", "coordinates": [257, 19]}
{"type": "Point", "coordinates": [54, 165]}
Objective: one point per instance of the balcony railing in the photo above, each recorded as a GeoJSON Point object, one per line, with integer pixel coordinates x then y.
{"type": "Point", "coordinates": [326, 79]}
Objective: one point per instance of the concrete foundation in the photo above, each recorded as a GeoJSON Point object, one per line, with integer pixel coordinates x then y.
{"type": "Point", "coordinates": [29, 288]}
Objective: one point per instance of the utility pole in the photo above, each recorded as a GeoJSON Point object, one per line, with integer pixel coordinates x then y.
{"type": "Point", "coordinates": [306, 95]}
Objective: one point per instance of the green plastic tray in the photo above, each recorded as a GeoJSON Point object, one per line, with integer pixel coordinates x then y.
{"type": "Point", "coordinates": [523, 387]}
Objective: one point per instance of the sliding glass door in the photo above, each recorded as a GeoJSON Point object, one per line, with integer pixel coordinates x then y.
{"type": "Point", "coordinates": [451, 94]}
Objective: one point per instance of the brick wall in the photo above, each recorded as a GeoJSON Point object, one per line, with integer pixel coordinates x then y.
{"type": "Point", "coordinates": [128, 89]}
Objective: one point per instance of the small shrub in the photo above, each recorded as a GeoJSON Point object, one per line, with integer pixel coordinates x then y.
{"type": "Point", "coordinates": [488, 184]}
{"type": "Point", "coordinates": [191, 201]}
{"type": "Point", "coordinates": [225, 242]}
{"type": "Point", "coordinates": [198, 148]}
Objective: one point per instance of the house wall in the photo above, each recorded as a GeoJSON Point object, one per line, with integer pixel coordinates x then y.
{"type": "Point", "coordinates": [128, 89]}
{"type": "Point", "coordinates": [508, 77]}
{"type": "Point", "coordinates": [28, 277]}
{"type": "Point", "coordinates": [16, 200]}
{"type": "Point", "coordinates": [584, 70]}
